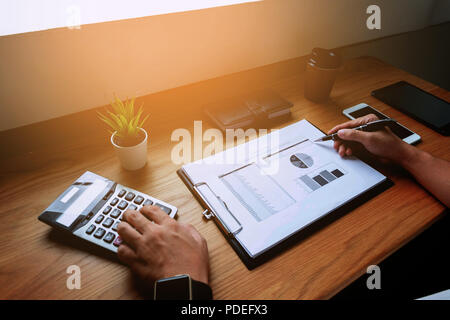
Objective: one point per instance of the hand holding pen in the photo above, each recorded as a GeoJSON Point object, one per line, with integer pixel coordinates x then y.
{"type": "Point", "coordinates": [372, 126]}
{"type": "Point", "coordinates": [381, 142]}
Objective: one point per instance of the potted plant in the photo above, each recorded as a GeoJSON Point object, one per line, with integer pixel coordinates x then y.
{"type": "Point", "coordinates": [127, 135]}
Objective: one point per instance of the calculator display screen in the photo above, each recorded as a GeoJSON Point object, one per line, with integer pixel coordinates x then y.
{"type": "Point", "coordinates": [73, 210]}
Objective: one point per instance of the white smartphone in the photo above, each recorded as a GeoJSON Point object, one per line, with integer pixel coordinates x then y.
{"type": "Point", "coordinates": [363, 109]}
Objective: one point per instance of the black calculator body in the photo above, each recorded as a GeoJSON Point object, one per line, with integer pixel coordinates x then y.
{"type": "Point", "coordinates": [93, 206]}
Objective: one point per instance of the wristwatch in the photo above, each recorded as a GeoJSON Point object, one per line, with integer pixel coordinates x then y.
{"type": "Point", "coordinates": [181, 287]}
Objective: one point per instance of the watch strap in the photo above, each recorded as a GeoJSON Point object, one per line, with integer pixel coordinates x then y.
{"type": "Point", "coordinates": [201, 291]}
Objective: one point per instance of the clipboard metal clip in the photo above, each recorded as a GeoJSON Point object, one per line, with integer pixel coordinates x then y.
{"type": "Point", "coordinates": [207, 215]}
{"type": "Point", "coordinates": [230, 226]}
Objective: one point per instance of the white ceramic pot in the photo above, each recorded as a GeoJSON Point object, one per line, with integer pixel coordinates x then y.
{"type": "Point", "coordinates": [132, 158]}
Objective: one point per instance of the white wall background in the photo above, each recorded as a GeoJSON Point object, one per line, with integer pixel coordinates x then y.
{"type": "Point", "coordinates": [20, 16]}
{"type": "Point", "coordinates": [51, 73]}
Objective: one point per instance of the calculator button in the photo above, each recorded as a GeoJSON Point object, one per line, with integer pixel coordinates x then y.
{"type": "Point", "coordinates": [90, 229]}
{"type": "Point", "coordinates": [138, 200]}
{"type": "Point", "coordinates": [118, 242]}
{"type": "Point", "coordinates": [114, 201]}
{"type": "Point", "coordinates": [115, 213]}
{"type": "Point", "coordinates": [108, 222]}
{"type": "Point", "coordinates": [121, 193]}
{"type": "Point", "coordinates": [130, 196]}
{"type": "Point", "coordinates": [109, 237]}
{"type": "Point", "coordinates": [132, 207]}
{"type": "Point", "coordinates": [107, 210]}
{"type": "Point", "coordinates": [99, 218]}
{"type": "Point", "coordinates": [99, 233]}
{"type": "Point", "coordinates": [122, 205]}
{"type": "Point", "coordinates": [115, 225]}
{"type": "Point", "coordinates": [148, 202]}
{"type": "Point", "coordinates": [163, 208]}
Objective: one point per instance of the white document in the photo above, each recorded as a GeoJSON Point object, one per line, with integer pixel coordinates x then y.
{"type": "Point", "coordinates": [278, 191]}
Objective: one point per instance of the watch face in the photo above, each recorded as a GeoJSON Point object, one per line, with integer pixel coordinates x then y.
{"type": "Point", "coordinates": [175, 288]}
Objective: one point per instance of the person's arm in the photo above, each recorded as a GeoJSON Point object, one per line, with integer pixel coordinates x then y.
{"type": "Point", "coordinates": [161, 248]}
{"type": "Point", "coordinates": [431, 172]}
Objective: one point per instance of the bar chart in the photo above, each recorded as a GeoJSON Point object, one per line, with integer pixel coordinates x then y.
{"type": "Point", "coordinates": [319, 179]}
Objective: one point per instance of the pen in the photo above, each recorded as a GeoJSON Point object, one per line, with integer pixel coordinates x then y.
{"type": "Point", "coordinates": [369, 127]}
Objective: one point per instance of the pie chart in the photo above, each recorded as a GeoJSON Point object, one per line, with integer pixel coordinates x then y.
{"type": "Point", "coordinates": [301, 160]}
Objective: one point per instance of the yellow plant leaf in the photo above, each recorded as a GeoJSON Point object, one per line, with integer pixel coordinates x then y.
{"type": "Point", "coordinates": [143, 121]}
{"type": "Point", "coordinates": [109, 123]}
{"type": "Point", "coordinates": [120, 106]}
{"type": "Point", "coordinates": [130, 107]}
{"type": "Point", "coordinates": [138, 116]}
{"type": "Point", "coordinates": [124, 120]}
{"type": "Point", "coordinates": [116, 119]}
{"type": "Point", "coordinates": [130, 129]}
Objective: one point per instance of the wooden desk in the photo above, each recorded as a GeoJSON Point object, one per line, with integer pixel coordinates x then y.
{"type": "Point", "coordinates": [39, 161]}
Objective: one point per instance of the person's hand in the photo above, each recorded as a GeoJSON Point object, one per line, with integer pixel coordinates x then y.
{"type": "Point", "coordinates": [162, 248]}
{"type": "Point", "coordinates": [381, 143]}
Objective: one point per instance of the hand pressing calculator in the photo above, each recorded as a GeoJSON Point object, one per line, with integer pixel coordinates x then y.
{"type": "Point", "coordinates": [92, 208]}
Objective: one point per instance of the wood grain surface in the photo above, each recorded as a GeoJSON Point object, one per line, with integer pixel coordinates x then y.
{"type": "Point", "coordinates": [39, 161]}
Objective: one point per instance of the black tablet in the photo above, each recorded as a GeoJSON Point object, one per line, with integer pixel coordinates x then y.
{"type": "Point", "coordinates": [418, 104]}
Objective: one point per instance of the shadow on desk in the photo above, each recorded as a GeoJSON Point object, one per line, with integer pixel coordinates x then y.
{"type": "Point", "coordinates": [418, 269]}
{"type": "Point", "coordinates": [63, 239]}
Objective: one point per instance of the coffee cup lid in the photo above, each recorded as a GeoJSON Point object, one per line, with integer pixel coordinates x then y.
{"type": "Point", "coordinates": [324, 58]}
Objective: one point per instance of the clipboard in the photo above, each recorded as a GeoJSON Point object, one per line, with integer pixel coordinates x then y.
{"type": "Point", "coordinates": [251, 263]}
{"type": "Point", "coordinates": [230, 226]}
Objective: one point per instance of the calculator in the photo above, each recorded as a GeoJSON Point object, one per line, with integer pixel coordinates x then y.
{"type": "Point", "coordinates": [93, 206]}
